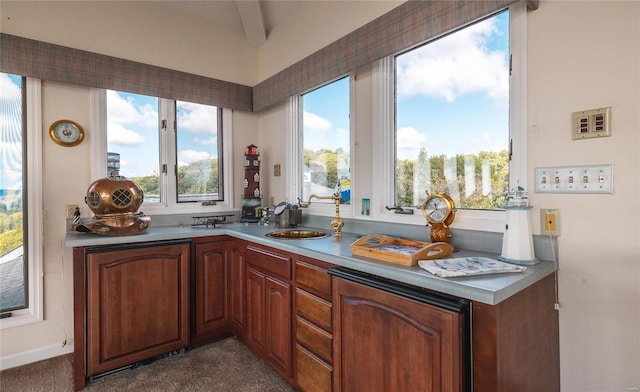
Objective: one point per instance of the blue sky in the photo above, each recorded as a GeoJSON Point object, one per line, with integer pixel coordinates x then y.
{"type": "Point", "coordinates": [133, 132]}
{"type": "Point", "coordinates": [326, 116]}
{"type": "Point", "coordinates": [465, 109]}
{"type": "Point", "coordinates": [462, 110]}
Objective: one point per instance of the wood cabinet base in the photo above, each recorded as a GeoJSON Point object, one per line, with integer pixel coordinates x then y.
{"type": "Point", "coordinates": [131, 304]}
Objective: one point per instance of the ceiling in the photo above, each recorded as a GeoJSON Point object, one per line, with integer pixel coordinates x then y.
{"type": "Point", "coordinates": [255, 18]}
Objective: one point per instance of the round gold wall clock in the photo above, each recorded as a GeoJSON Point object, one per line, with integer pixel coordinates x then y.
{"type": "Point", "coordinates": [439, 210]}
{"type": "Point", "coordinates": [66, 133]}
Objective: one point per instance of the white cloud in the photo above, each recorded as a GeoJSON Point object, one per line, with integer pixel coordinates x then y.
{"type": "Point", "coordinates": [409, 141]}
{"type": "Point", "coordinates": [118, 134]}
{"type": "Point", "coordinates": [461, 63]}
{"type": "Point", "coordinates": [314, 122]}
{"type": "Point", "coordinates": [122, 111]}
{"type": "Point", "coordinates": [8, 89]}
{"type": "Point", "coordinates": [206, 141]}
{"type": "Point", "coordinates": [185, 157]}
{"type": "Point", "coordinates": [196, 118]}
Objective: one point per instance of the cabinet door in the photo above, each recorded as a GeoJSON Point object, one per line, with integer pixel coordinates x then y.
{"type": "Point", "coordinates": [211, 313]}
{"type": "Point", "coordinates": [255, 332]}
{"type": "Point", "coordinates": [278, 324]}
{"type": "Point", "coordinates": [384, 342]}
{"type": "Point", "coordinates": [137, 304]}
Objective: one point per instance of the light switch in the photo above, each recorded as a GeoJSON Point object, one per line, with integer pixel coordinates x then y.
{"type": "Point", "coordinates": [593, 123]}
{"type": "Point", "coordinates": [566, 179]}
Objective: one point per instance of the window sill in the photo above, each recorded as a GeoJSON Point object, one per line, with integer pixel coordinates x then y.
{"type": "Point", "coordinates": [478, 220]}
{"type": "Point", "coordinates": [18, 320]}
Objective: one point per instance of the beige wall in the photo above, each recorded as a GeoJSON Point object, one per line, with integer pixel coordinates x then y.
{"type": "Point", "coordinates": [585, 55]}
{"type": "Point", "coordinates": [313, 26]}
{"type": "Point", "coordinates": [129, 29]}
{"type": "Point", "coordinates": [599, 277]}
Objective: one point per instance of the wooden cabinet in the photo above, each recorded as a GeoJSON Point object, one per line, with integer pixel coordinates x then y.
{"type": "Point", "coordinates": [314, 325]}
{"type": "Point", "coordinates": [388, 342]}
{"type": "Point", "coordinates": [268, 302]}
{"type": "Point", "coordinates": [214, 268]}
{"type": "Point", "coordinates": [516, 343]}
{"type": "Point", "coordinates": [137, 304]}
{"type": "Point", "coordinates": [134, 302]}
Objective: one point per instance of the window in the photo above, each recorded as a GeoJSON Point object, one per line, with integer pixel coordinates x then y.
{"type": "Point", "coordinates": [13, 263]}
{"type": "Point", "coordinates": [326, 139]}
{"type": "Point", "coordinates": [452, 117]}
{"type": "Point", "coordinates": [174, 150]}
{"type": "Point", "coordinates": [425, 169]}
{"type": "Point", "coordinates": [197, 144]}
{"type": "Point", "coordinates": [20, 201]}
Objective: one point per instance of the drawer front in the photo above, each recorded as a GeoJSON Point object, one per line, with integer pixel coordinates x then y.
{"type": "Point", "coordinates": [314, 308]}
{"type": "Point", "coordinates": [265, 260]}
{"type": "Point", "coordinates": [314, 277]}
{"type": "Point", "coordinates": [314, 338]}
{"type": "Point", "coordinates": [312, 374]}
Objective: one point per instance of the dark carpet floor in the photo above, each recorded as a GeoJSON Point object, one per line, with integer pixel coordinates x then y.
{"type": "Point", "coordinates": [227, 365]}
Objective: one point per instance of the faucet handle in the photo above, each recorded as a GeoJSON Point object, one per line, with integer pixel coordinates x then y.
{"type": "Point", "coordinates": [400, 210]}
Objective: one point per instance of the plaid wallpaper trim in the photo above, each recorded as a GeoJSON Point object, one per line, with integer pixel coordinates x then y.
{"type": "Point", "coordinates": [406, 26]}
{"type": "Point", "coordinates": [47, 61]}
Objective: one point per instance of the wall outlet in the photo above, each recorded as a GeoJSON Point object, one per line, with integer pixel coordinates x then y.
{"type": "Point", "coordinates": [70, 209]}
{"type": "Point", "coordinates": [550, 222]}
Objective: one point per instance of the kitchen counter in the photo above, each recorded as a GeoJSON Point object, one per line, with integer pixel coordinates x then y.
{"type": "Point", "coordinates": [488, 289]}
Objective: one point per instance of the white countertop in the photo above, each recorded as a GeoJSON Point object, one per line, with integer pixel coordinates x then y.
{"type": "Point", "coordinates": [488, 289]}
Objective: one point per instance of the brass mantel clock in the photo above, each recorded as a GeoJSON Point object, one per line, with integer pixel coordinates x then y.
{"type": "Point", "coordinates": [439, 210]}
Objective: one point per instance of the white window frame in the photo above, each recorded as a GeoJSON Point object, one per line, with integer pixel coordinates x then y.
{"type": "Point", "coordinates": [295, 144]}
{"type": "Point", "coordinates": [384, 144]}
{"type": "Point", "coordinates": [34, 312]}
{"type": "Point", "coordinates": [169, 204]}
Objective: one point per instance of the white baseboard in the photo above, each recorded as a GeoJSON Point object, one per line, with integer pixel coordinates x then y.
{"type": "Point", "coordinates": [35, 355]}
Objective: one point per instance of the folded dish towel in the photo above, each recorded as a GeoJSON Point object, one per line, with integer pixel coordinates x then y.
{"type": "Point", "coordinates": [466, 266]}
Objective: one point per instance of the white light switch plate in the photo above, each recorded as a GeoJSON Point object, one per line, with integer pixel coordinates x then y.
{"type": "Point", "coordinates": [574, 179]}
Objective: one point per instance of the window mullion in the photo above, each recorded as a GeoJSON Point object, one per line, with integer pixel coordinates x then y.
{"type": "Point", "coordinates": [518, 96]}
{"type": "Point", "coordinates": [383, 143]}
{"type": "Point", "coordinates": [293, 143]}
{"type": "Point", "coordinates": [167, 164]}
{"type": "Point", "coordinates": [227, 157]}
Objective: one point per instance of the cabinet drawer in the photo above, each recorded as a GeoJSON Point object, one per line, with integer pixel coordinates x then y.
{"type": "Point", "coordinates": [313, 277]}
{"type": "Point", "coordinates": [312, 375]}
{"type": "Point", "coordinates": [265, 260]}
{"type": "Point", "coordinates": [314, 308]}
{"type": "Point", "coordinates": [314, 338]}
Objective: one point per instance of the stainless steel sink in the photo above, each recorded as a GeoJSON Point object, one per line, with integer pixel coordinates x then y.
{"type": "Point", "coordinates": [297, 234]}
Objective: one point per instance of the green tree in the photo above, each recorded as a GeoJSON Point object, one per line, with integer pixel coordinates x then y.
{"type": "Point", "coordinates": [323, 165]}
{"type": "Point", "coordinates": [150, 185]}
{"type": "Point", "coordinates": [429, 173]}
{"type": "Point", "coordinates": [198, 177]}
{"type": "Point", "coordinates": [12, 232]}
